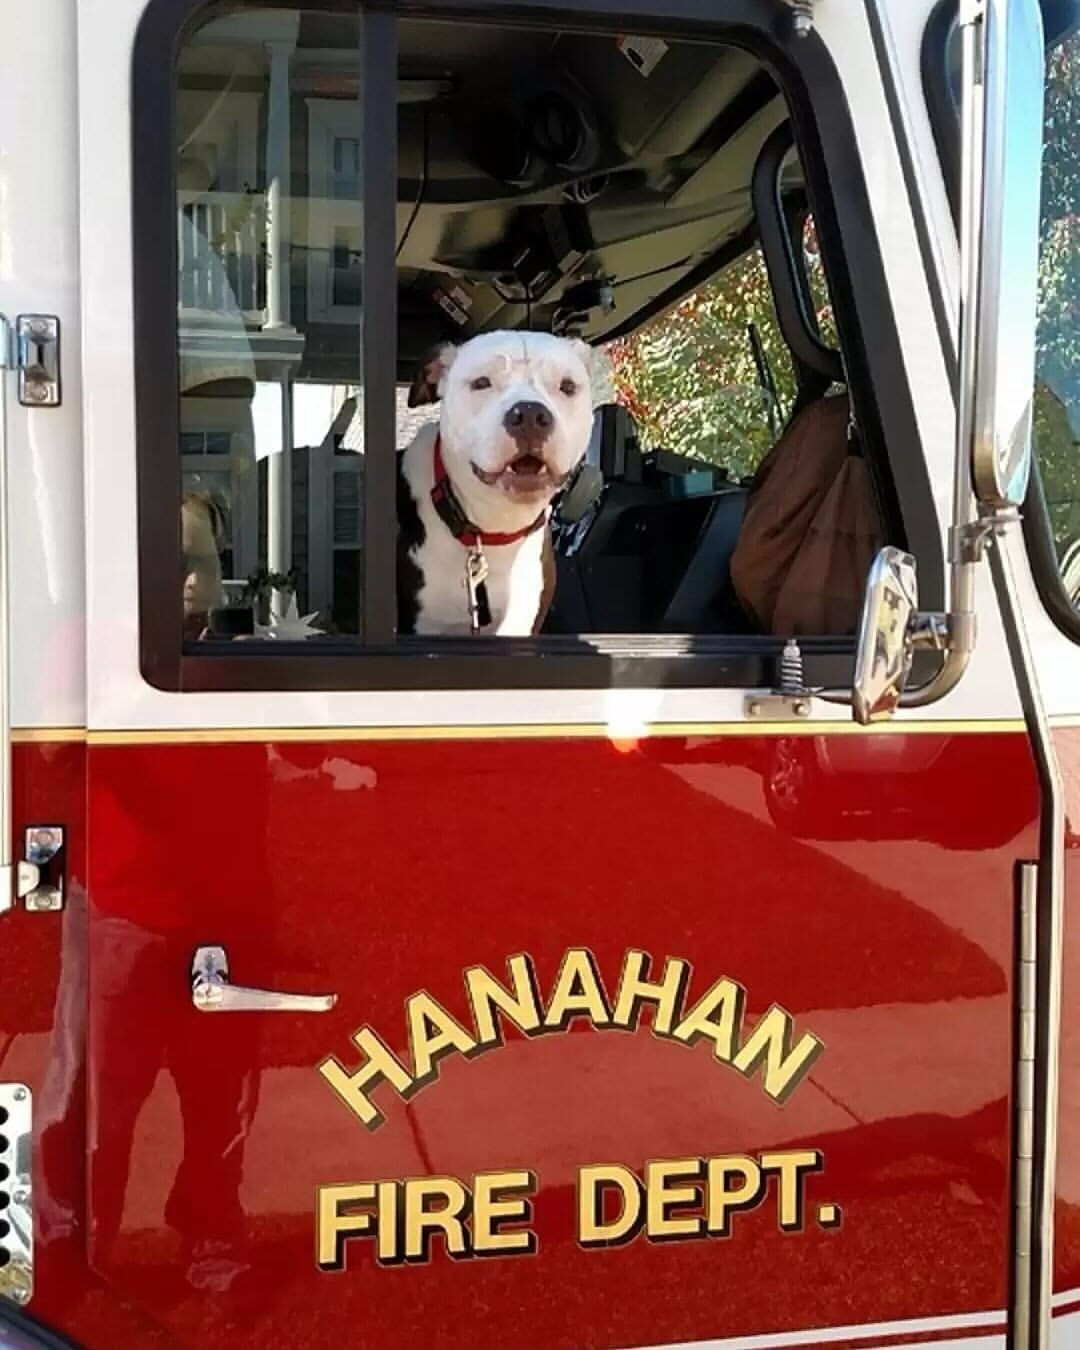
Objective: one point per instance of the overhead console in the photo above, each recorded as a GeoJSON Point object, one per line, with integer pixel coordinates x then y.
{"type": "Point", "coordinates": [568, 183]}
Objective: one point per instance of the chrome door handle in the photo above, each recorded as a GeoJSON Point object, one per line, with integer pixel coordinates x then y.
{"type": "Point", "coordinates": [211, 991]}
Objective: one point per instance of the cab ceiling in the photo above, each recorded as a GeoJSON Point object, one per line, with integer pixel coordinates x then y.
{"type": "Point", "coordinates": [561, 180]}
{"type": "Point", "coordinates": [549, 179]}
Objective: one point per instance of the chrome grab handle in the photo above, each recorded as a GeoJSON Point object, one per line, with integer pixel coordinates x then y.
{"type": "Point", "coordinates": [211, 991]}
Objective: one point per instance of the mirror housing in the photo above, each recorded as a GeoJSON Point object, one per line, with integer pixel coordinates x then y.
{"type": "Point", "coordinates": [884, 652]}
{"type": "Point", "coordinates": [1003, 97]}
{"type": "Point", "coordinates": [891, 630]}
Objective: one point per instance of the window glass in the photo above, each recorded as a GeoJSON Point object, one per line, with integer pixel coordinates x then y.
{"type": "Point", "coordinates": [270, 220]}
{"type": "Point", "coordinates": [564, 186]}
{"type": "Point", "coordinates": [1057, 390]}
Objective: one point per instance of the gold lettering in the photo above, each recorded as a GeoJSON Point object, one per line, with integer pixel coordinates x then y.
{"type": "Point", "coordinates": [381, 1066]}
{"type": "Point", "coordinates": [593, 1229]}
{"type": "Point", "coordinates": [433, 1033]}
{"type": "Point", "coordinates": [423, 1222]}
{"type": "Point", "coordinates": [716, 1016]}
{"type": "Point", "coordinates": [577, 990]}
{"type": "Point", "coordinates": [634, 990]}
{"type": "Point", "coordinates": [785, 1066]}
{"type": "Point", "coordinates": [389, 1243]}
{"type": "Point", "coordinates": [521, 1005]}
{"type": "Point", "coordinates": [772, 1045]}
{"type": "Point", "coordinates": [791, 1193]}
{"type": "Point", "coordinates": [660, 1196]}
{"type": "Point", "coordinates": [498, 1198]}
{"type": "Point", "coordinates": [723, 1201]}
{"type": "Point", "coordinates": [334, 1227]}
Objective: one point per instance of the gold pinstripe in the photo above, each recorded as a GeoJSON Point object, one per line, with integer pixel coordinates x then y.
{"type": "Point", "coordinates": [532, 731]}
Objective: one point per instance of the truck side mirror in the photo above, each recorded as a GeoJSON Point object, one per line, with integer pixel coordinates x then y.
{"type": "Point", "coordinates": [1002, 94]}
{"type": "Point", "coordinates": [884, 654]}
{"type": "Point", "coordinates": [1000, 278]}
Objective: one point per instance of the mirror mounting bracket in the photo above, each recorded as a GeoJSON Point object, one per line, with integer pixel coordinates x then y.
{"type": "Point", "coordinates": [967, 543]}
{"type": "Point", "coordinates": [934, 631]}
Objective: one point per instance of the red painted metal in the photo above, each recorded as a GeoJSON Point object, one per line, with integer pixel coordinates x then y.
{"type": "Point", "coordinates": [874, 906]}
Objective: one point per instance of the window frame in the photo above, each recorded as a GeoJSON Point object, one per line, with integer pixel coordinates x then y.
{"type": "Point", "coordinates": [944, 115]}
{"type": "Point", "coordinates": [878, 379]}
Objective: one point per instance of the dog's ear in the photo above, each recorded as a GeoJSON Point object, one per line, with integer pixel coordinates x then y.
{"type": "Point", "coordinates": [598, 368]}
{"type": "Point", "coordinates": [584, 351]}
{"type": "Point", "coordinates": [427, 383]}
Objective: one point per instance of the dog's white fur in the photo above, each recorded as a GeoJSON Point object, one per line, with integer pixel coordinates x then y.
{"type": "Point", "coordinates": [518, 368]}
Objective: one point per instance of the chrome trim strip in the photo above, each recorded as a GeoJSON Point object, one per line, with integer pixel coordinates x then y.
{"type": "Point", "coordinates": [1024, 1091]}
{"type": "Point", "coordinates": [1032, 1299]}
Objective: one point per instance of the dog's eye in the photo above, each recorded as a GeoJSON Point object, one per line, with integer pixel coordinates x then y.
{"type": "Point", "coordinates": [568, 387]}
{"type": "Point", "coordinates": [481, 382]}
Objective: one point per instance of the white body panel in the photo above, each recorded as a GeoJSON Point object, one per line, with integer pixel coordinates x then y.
{"type": "Point", "coordinates": [65, 196]}
{"type": "Point", "coordinates": [39, 273]}
{"type": "Point", "coordinates": [119, 699]}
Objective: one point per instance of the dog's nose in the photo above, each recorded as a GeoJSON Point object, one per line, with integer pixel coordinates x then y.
{"type": "Point", "coordinates": [529, 422]}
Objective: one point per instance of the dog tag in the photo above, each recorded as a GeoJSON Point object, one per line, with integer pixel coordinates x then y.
{"type": "Point", "coordinates": [476, 574]}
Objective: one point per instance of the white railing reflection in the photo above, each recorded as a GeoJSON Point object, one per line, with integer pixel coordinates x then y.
{"type": "Point", "coordinates": [222, 248]}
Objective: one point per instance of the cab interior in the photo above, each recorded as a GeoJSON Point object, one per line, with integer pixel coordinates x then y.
{"type": "Point", "coordinates": [586, 184]}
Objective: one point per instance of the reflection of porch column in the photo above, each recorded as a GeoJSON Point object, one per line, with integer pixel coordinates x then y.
{"type": "Point", "coordinates": [278, 190]}
{"type": "Point", "coordinates": [278, 186]}
{"type": "Point", "coordinates": [279, 490]}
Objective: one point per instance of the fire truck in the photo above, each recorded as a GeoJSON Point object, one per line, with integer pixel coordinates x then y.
{"type": "Point", "coordinates": [651, 981]}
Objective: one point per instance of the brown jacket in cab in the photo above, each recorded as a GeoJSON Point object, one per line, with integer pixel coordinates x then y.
{"type": "Point", "coordinates": [810, 531]}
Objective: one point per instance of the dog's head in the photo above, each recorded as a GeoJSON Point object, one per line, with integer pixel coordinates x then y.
{"type": "Point", "coordinates": [517, 412]}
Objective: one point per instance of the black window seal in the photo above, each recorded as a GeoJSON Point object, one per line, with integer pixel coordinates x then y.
{"type": "Point", "coordinates": [1061, 23]}
{"type": "Point", "coordinates": [839, 198]}
{"type": "Point", "coordinates": [787, 277]}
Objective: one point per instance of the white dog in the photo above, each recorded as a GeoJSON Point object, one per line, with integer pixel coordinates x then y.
{"type": "Point", "coordinates": [474, 492]}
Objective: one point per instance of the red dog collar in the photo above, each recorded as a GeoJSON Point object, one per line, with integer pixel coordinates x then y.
{"type": "Point", "coordinates": [452, 515]}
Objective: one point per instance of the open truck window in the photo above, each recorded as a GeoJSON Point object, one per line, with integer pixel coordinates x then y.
{"type": "Point", "coordinates": [333, 227]}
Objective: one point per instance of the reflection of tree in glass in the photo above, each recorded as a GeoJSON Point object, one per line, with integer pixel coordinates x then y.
{"type": "Point", "coordinates": [1057, 399]}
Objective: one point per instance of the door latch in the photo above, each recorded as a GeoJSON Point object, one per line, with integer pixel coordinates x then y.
{"type": "Point", "coordinates": [37, 356]}
{"type": "Point", "coordinates": [211, 991]}
{"type": "Point", "coordinates": [40, 871]}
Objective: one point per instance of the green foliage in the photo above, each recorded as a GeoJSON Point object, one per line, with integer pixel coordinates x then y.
{"type": "Point", "coordinates": [690, 380]}
{"type": "Point", "coordinates": [1057, 403]}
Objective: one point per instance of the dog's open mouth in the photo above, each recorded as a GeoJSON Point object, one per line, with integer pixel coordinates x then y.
{"type": "Point", "coordinates": [525, 473]}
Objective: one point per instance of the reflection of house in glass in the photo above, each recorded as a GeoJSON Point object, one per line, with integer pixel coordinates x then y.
{"type": "Point", "coordinates": [269, 292]}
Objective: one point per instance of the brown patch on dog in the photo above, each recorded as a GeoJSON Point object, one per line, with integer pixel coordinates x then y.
{"type": "Point", "coordinates": [547, 595]}
{"type": "Point", "coordinates": [424, 389]}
